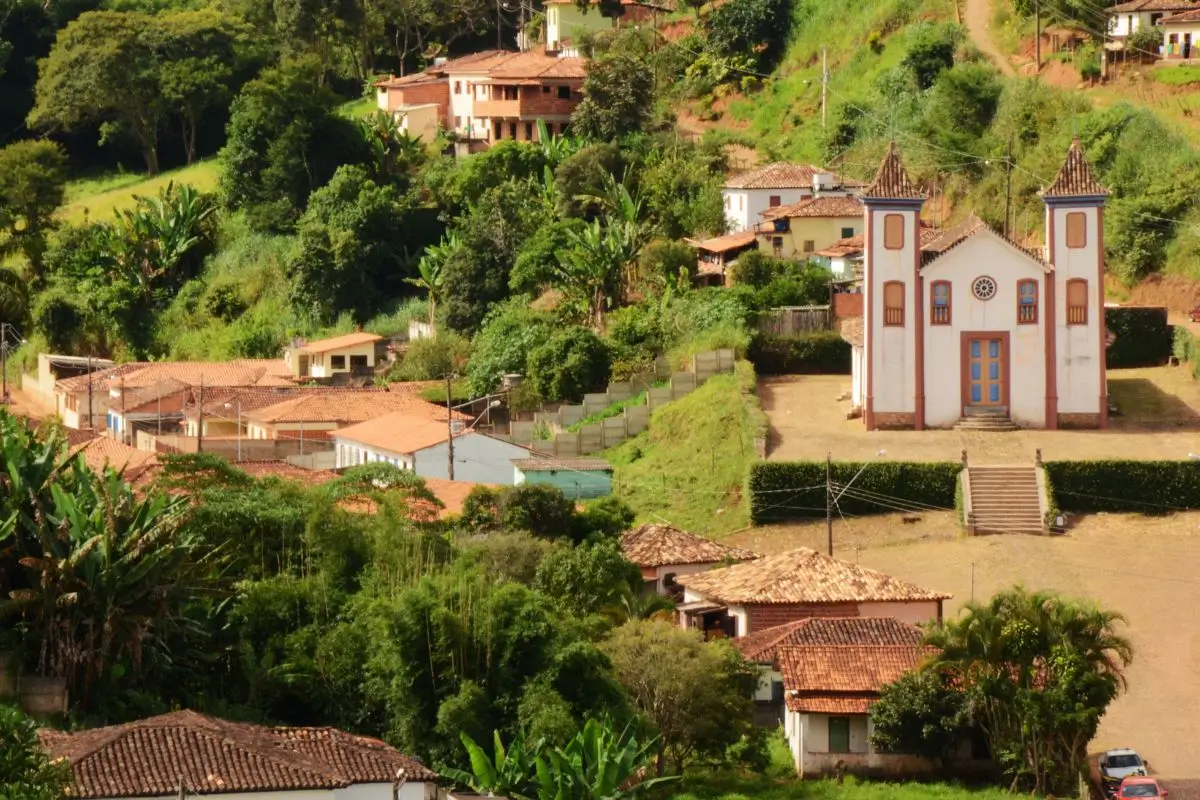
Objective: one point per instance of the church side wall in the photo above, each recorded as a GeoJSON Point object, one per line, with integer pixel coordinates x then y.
{"type": "Point", "coordinates": [1080, 349]}
{"type": "Point", "coordinates": [891, 349]}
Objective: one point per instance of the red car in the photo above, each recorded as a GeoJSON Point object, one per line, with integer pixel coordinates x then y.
{"type": "Point", "coordinates": [1140, 788]}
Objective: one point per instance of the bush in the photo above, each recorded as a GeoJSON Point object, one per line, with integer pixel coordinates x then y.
{"type": "Point", "coordinates": [1143, 337]}
{"type": "Point", "coordinates": [1146, 487]}
{"type": "Point", "coordinates": [510, 332]}
{"type": "Point", "coordinates": [543, 511]}
{"type": "Point", "coordinates": [567, 366]}
{"type": "Point", "coordinates": [670, 261]}
{"type": "Point", "coordinates": [430, 359]}
{"type": "Point", "coordinates": [819, 353]}
{"type": "Point", "coordinates": [931, 50]}
{"type": "Point", "coordinates": [1185, 347]}
{"type": "Point", "coordinates": [788, 490]}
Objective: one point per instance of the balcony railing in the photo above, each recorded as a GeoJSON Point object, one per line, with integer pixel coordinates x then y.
{"type": "Point", "coordinates": [940, 315]}
{"type": "Point", "coordinates": [1027, 312]}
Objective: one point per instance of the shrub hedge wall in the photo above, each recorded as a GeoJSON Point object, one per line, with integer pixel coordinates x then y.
{"type": "Point", "coordinates": [1186, 349]}
{"type": "Point", "coordinates": [1146, 487]}
{"type": "Point", "coordinates": [819, 353]}
{"type": "Point", "coordinates": [788, 490]}
{"type": "Point", "coordinates": [1143, 337]}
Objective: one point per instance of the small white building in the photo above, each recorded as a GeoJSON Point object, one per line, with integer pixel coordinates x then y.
{"type": "Point", "coordinates": [664, 552]}
{"type": "Point", "coordinates": [1125, 19]}
{"type": "Point", "coordinates": [1180, 35]}
{"type": "Point", "coordinates": [186, 754]}
{"type": "Point", "coordinates": [749, 194]}
{"type": "Point", "coordinates": [967, 323]}
{"type": "Point", "coordinates": [324, 358]}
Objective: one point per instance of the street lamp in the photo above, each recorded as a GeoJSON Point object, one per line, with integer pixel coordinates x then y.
{"type": "Point", "coordinates": [830, 500]}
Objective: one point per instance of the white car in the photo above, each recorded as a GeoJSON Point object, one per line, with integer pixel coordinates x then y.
{"type": "Point", "coordinates": [1117, 765]}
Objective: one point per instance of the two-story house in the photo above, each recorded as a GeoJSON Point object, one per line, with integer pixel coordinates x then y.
{"type": "Point", "coordinates": [567, 23]}
{"type": "Point", "coordinates": [799, 230]}
{"type": "Point", "coordinates": [749, 194]}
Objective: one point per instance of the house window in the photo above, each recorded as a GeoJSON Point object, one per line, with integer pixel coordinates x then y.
{"type": "Point", "coordinates": [529, 131]}
{"type": "Point", "coordinates": [847, 233]}
{"type": "Point", "coordinates": [777, 246]}
{"type": "Point", "coordinates": [809, 245]}
{"type": "Point", "coordinates": [893, 303]}
{"type": "Point", "coordinates": [512, 130]}
{"type": "Point", "coordinates": [458, 87]}
{"type": "Point", "coordinates": [358, 362]}
{"type": "Point", "coordinates": [773, 201]}
{"type": "Point", "coordinates": [1027, 291]}
{"type": "Point", "coordinates": [939, 303]}
{"type": "Point", "coordinates": [564, 93]}
{"type": "Point", "coordinates": [337, 362]}
{"type": "Point", "coordinates": [1077, 301]}
{"type": "Point", "coordinates": [741, 197]}
{"type": "Point", "coordinates": [727, 203]}
{"type": "Point", "coordinates": [839, 734]}
{"type": "Point", "coordinates": [457, 123]}
{"type": "Point", "coordinates": [893, 231]}
{"type": "Point", "coordinates": [499, 131]}
{"type": "Point", "coordinates": [1076, 230]}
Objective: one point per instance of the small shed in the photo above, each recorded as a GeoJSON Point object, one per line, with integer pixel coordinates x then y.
{"type": "Point", "coordinates": [578, 478]}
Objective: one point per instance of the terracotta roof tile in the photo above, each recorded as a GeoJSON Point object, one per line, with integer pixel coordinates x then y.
{"type": "Point", "coordinates": [848, 672]}
{"type": "Point", "coordinates": [536, 64]}
{"type": "Point", "coordinates": [891, 181]}
{"type": "Point", "coordinates": [935, 246]}
{"type": "Point", "coordinates": [348, 406]}
{"type": "Point", "coordinates": [339, 342]}
{"type": "Point", "coordinates": [823, 206]}
{"type": "Point", "coordinates": [763, 646]}
{"type": "Point", "coordinates": [654, 545]}
{"type": "Point", "coordinates": [153, 757]}
{"type": "Point", "coordinates": [1152, 5]}
{"type": "Point", "coordinates": [1184, 17]}
{"type": "Point", "coordinates": [723, 244]}
{"type": "Point", "coordinates": [452, 493]}
{"type": "Point", "coordinates": [398, 432]}
{"type": "Point", "coordinates": [285, 471]}
{"type": "Point", "coordinates": [145, 375]}
{"type": "Point", "coordinates": [779, 175]}
{"type": "Point", "coordinates": [1075, 178]}
{"type": "Point", "coordinates": [822, 703]}
{"type": "Point", "coordinates": [802, 576]}
{"type": "Point", "coordinates": [101, 451]}
{"type": "Point", "coordinates": [558, 464]}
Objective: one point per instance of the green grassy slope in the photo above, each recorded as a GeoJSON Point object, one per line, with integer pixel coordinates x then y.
{"type": "Point", "coordinates": [689, 468]}
{"type": "Point", "coordinates": [98, 198]}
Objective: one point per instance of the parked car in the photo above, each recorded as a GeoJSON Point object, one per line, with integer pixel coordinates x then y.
{"type": "Point", "coordinates": [1116, 766]}
{"type": "Point", "coordinates": [1141, 788]}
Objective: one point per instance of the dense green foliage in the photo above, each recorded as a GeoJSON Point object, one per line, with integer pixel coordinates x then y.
{"type": "Point", "coordinates": [1143, 337]}
{"type": "Point", "coordinates": [922, 713]}
{"type": "Point", "coordinates": [1142, 487]}
{"type": "Point", "coordinates": [788, 490]}
{"type": "Point", "coordinates": [26, 772]}
{"type": "Point", "coordinates": [821, 352]}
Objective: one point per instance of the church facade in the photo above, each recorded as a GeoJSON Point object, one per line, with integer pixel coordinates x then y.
{"type": "Point", "coordinates": [962, 322]}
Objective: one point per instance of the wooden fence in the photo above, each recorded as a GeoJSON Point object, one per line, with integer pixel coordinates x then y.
{"type": "Point", "coordinates": [796, 320]}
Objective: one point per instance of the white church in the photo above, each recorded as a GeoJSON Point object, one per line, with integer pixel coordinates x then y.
{"type": "Point", "coordinates": [962, 322]}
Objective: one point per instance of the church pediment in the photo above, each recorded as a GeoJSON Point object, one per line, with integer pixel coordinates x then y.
{"type": "Point", "coordinates": [959, 243]}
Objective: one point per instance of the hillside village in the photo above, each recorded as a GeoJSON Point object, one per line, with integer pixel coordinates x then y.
{"type": "Point", "coordinates": [606, 400]}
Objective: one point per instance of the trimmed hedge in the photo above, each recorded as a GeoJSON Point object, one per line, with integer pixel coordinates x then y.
{"type": "Point", "coordinates": [1143, 337]}
{"type": "Point", "coordinates": [819, 353]}
{"type": "Point", "coordinates": [781, 491]}
{"type": "Point", "coordinates": [1144, 487]}
{"type": "Point", "coordinates": [1187, 349]}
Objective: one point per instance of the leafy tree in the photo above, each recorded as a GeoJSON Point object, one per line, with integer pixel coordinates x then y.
{"type": "Point", "coordinates": [510, 332]}
{"type": "Point", "coordinates": [394, 154]}
{"type": "Point", "coordinates": [931, 50]}
{"type": "Point", "coordinates": [431, 272]}
{"type": "Point", "coordinates": [672, 263]}
{"type": "Point", "coordinates": [618, 98]}
{"type": "Point", "coordinates": [696, 694]}
{"type": "Point", "coordinates": [756, 29]}
{"type": "Point", "coordinates": [1039, 671]}
{"type": "Point", "coordinates": [921, 712]}
{"type": "Point", "coordinates": [586, 578]}
{"type": "Point", "coordinates": [432, 358]}
{"type": "Point", "coordinates": [961, 106]}
{"type": "Point", "coordinates": [584, 175]}
{"type": "Point", "coordinates": [26, 771]}
{"type": "Point", "coordinates": [537, 260]}
{"type": "Point", "coordinates": [283, 142]}
{"type": "Point", "coordinates": [541, 510]}
{"type": "Point", "coordinates": [351, 254]}
{"type": "Point", "coordinates": [33, 177]}
{"type": "Point", "coordinates": [569, 364]}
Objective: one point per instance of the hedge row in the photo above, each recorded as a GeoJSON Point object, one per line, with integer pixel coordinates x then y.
{"type": "Point", "coordinates": [819, 353]}
{"type": "Point", "coordinates": [1187, 349]}
{"type": "Point", "coordinates": [1145, 487]}
{"type": "Point", "coordinates": [789, 490]}
{"type": "Point", "coordinates": [1143, 337]}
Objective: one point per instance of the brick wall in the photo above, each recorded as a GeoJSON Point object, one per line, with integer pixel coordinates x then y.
{"type": "Point", "coordinates": [760, 617]}
{"type": "Point", "coordinates": [422, 93]}
{"type": "Point", "coordinates": [847, 305]}
{"type": "Point", "coordinates": [538, 104]}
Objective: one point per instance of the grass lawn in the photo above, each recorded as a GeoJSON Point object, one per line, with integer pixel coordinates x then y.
{"type": "Point", "coordinates": [1181, 75]}
{"type": "Point", "coordinates": [98, 198]}
{"type": "Point", "coordinates": [724, 786]}
{"type": "Point", "coordinates": [690, 466]}
{"type": "Point", "coordinates": [357, 108]}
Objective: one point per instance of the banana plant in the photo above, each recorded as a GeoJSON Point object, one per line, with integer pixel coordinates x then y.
{"type": "Point", "coordinates": [597, 764]}
{"type": "Point", "coordinates": [509, 773]}
{"type": "Point", "coordinates": [431, 272]}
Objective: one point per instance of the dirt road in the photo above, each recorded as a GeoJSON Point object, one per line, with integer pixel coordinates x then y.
{"type": "Point", "coordinates": [978, 19]}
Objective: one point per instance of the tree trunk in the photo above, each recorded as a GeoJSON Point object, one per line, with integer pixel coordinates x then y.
{"type": "Point", "coordinates": [150, 153]}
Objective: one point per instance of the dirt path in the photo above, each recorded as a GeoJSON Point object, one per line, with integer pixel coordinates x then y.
{"type": "Point", "coordinates": [978, 19]}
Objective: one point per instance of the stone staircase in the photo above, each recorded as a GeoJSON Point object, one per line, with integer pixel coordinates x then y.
{"type": "Point", "coordinates": [985, 420]}
{"type": "Point", "coordinates": [1003, 499]}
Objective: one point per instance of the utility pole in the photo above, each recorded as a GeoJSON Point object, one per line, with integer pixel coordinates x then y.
{"type": "Point", "coordinates": [829, 503]}
{"type": "Point", "coordinates": [824, 84]}
{"type": "Point", "coordinates": [239, 427]}
{"type": "Point", "coordinates": [4, 359]}
{"type": "Point", "coordinates": [1037, 39]}
{"type": "Point", "coordinates": [450, 432]}
{"type": "Point", "coordinates": [91, 422]}
{"type": "Point", "coordinates": [1008, 192]}
{"type": "Point", "coordinates": [200, 420]}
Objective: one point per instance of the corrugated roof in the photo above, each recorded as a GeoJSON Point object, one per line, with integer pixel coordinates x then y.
{"type": "Point", "coordinates": [854, 673]}
{"type": "Point", "coordinates": [892, 181]}
{"type": "Point", "coordinates": [763, 646]}
{"type": "Point", "coordinates": [654, 545]}
{"type": "Point", "coordinates": [779, 175]}
{"type": "Point", "coordinates": [1075, 178]}
{"type": "Point", "coordinates": [560, 464]}
{"type": "Point", "coordinates": [152, 757]}
{"type": "Point", "coordinates": [398, 432]}
{"type": "Point", "coordinates": [339, 342]}
{"type": "Point", "coordinates": [803, 576]}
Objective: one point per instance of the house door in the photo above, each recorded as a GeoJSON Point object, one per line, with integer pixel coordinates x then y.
{"type": "Point", "coordinates": [1187, 45]}
{"type": "Point", "coordinates": [985, 372]}
{"type": "Point", "coordinates": [839, 734]}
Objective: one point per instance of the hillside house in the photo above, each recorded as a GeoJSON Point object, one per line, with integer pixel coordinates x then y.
{"type": "Point", "coordinates": [566, 23]}
{"type": "Point", "coordinates": [185, 754]}
{"type": "Point", "coordinates": [967, 323]}
{"type": "Point", "coordinates": [422, 445]}
{"type": "Point", "coordinates": [578, 478]}
{"type": "Point", "coordinates": [749, 194]}
{"type": "Point", "coordinates": [1125, 19]}
{"type": "Point", "coordinates": [717, 255]}
{"type": "Point", "coordinates": [663, 552]}
{"type": "Point", "coordinates": [54, 367]}
{"type": "Point", "coordinates": [798, 584]}
{"type": "Point", "coordinates": [315, 415]}
{"type": "Point", "coordinates": [798, 230]}
{"type": "Point", "coordinates": [1180, 34]}
{"type": "Point", "coordinates": [354, 353]}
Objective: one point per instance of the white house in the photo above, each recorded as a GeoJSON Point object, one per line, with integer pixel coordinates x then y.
{"type": "Point", "coordinates": [749, 194]}
{"type": "Point", "coordinates": [1180, 34]}
{"type": "Point", "coordinates": [1127, 18]}
{"type": "Point", "coordinates": [324, 358]}
{"type": "Point", "coordinates": [186, 753]}
{"type": "Point", "coordinates": [663, 552]}
{"type": "Point", "coordinates": [422, 445]}
{"type": "Point", "coordinates": [967, 323]}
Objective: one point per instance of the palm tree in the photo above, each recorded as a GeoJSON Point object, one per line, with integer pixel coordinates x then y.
{"type": "Point", "coordinates": [431, 272]}
{"type": "Point", "coordinates": [159, 233]}
{"type": "Point", "coordinates": [592, 270]}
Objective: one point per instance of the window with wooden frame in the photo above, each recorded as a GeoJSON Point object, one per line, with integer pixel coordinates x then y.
{"type": "Point", "coordinates": [773, 201]}
{"type": "Point", "coordinates": [893, 231]}
{"type": "Point", "coordinates": [893, 303]}
{"type": "Point", "coordinates": [1077, 301]}
{"type": "Point", "coordinates": [809, 245]}
{"type": "Point", "coordinates": [939, 303]}
{"type": "Point", "coordinates": [777, 246]}
{"type": "Point", "coordinates": [1076, 230]}
{"type": "Point", "coordinates": [1027, 302]}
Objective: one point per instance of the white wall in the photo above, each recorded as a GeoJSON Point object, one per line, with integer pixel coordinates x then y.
{"type": "Point", "coordinates": [1080, 349]}
{"type": "Point", "coordinates": [984, 254]}
{"type": "Point", "coordinates": [349, 453]}
{"type": "Point", "coordinates": [477, 458]}
{"type": "Point", "coordinates": [915, 613]}
{"type": "Point", "coordinates": [743, 620]}
{"type": "Point", "coordinates": [766, 677]}
{"type": "Point", "coordinates": [462, 105]}
{"type": "Point", "coordinates": [745, 205]}
{"type": "Point", "coordinates": [857, 384]}
{"type": "Point", "coordinates": [890, 349]}
{"type": "Point", "coordinates": [415, 790]}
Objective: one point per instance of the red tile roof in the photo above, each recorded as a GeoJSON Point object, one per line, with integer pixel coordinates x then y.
{"type": "Point", "coordinates": [946, 239]}
{"type": "Point", "coordinates": [823, 206]}
{"type": "Point", "coordinates": [763, 646]}
{"type": "Point", "coordinates": [285, 471]}
{"type": "Point", "coordinates": [152, 757]}
{"type": "Point", "coordinates": [802, 576]}
{"type": "Point", "coordinates": [398, 432]}
{"type": "Point", "coordinates": [1075, 178]}
{"type": "Point", "coordinates": [723, 244]}
{"type": "Point", "coordinates": [1185, 17]}
{"type": "Point", "coordinates": [506, 64]}
{"type": "Point", "coordinates": [848, 676]}
{"type": "Point", "coordinates": [779, 175]}
{"type": "Point", "coordinates": [654, 545]}
{"type": "Point", "coordinates": [1152, 5]}
{"type": "Point", "coordinates": [891, 180]}
{"type": "Point", "coordinates": [101, 451]}
{"type": "Point", "coordinates": [348, 406]}
{"type": "Point", "coordinates": [452, 493]}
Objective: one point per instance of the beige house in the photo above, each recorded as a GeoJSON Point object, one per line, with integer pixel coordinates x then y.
{"type": "Point", "coordinates": [663, 552]}
{"type": "Point", "coordinates": [314, 415]}
{"type": "Point", "coordinates": [801, 229]}
{"type": "Point", "coordinates": [353, 353]}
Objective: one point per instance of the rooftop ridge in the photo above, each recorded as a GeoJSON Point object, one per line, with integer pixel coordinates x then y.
{"type": "Point", "coordinates": [891, 179]}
